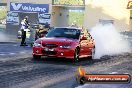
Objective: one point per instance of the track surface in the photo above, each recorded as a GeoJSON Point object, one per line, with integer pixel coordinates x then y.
{"type": "Point", "coordinates": [19, 70]}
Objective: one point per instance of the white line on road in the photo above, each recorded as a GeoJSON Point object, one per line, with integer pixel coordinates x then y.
{"type": "Point", "coordinates": [15, 45]}
{"type": "Point", "coordinates": [22, 52]}
{"type": "Point", "coordinates": [12, 53]}
{"type": "Point", "coordinates": [2, 54]}
{"type": "Point", "coordinates": [6, 53]}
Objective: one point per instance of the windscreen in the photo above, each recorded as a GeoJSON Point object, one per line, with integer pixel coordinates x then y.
{"type": "Point", "coordinates": [64, 32]}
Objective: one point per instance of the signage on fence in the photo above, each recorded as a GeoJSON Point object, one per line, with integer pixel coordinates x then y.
{"type": "Point", "coordinates": [44, 17]}
{"type": "Point", "coordinates": [12, 18]}
{"type": "Point", "coordinates": [28, 7]}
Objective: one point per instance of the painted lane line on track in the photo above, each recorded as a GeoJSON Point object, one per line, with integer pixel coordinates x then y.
{"type": "Point", "coordinates": [15, 45]}
{"type": "Point", "coordinates": [12, 53]}
{"type": "Point", "coordinates": [7, 53]}
{"type": "Point", "coordinates": [2, 54]}
{"type": "Point", "coordinates": [22, 52]}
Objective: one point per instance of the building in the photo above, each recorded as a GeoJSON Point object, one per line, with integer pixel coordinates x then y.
{"type": "Point", "coordinates": [116, 10]}
{"type": "Point", "coordinates": [55, 12]}
{"type": "Point", "coordinates": [18, 9]}
{"type": "Point", "coordinates": [3, 10]}
{"type": "Point", "coordinates": [3, 1]}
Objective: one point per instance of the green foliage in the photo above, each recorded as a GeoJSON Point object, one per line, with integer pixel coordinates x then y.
{"type": "Point", "coordinates": [76, 17]}
{"type": "Point", "coordinates": [3, 13]}
{"type": "Point", "coordinates": [68, 2]}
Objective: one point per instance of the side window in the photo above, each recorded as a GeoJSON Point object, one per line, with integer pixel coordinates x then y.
{"type": "Point", "coordinates": [82, 33]}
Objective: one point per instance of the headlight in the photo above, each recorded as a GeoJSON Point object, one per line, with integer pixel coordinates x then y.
{"type": "Point", "coordinates": [36, 44]}
{"type": "Point", "coordinates": [66, 47]}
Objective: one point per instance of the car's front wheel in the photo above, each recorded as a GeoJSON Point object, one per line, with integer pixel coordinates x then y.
{"type": "Point", "coordinates": [76, 55]}
{"type": "Point", "coordinates": [36, 57]}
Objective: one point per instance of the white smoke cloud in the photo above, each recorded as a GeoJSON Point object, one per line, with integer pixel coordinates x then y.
{"type": "Point", "coordinates": [108, 41]}
{"type": "Point", "coordinates": [3, 37]}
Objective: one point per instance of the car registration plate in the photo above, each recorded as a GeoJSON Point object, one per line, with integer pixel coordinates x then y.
{"type": "Point", "coordinates": [47, 49]}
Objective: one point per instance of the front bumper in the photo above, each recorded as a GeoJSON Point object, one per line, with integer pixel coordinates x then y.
{"type": "Point", "coordinates": [55, 52]}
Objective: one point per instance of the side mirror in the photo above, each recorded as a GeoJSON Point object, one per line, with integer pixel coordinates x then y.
{"type": "Point", "coordinates": [83, 38]}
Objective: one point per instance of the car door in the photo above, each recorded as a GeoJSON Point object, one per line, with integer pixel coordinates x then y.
{"type": "Point", "coordinates": [83, 45]}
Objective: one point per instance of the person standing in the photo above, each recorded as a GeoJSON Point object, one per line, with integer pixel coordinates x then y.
{"type": "Point", "coordinates": [24, 27]}
{"type": "Point", "coordinates": [47, 25]}
{"type": "Point", "coordinates": [41, 32]}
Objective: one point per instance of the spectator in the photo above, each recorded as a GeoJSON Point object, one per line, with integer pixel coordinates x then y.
{"type": "Point", "coordinates": [24, 27]}
{"type": "Point", "coordinates": [47, 25]}
{"type": "Point", "coordinates": [40, 32]}
{"type": "Point", "coordinates": [74, 24]}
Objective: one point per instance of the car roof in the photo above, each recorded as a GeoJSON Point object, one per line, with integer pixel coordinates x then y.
{"type": "Point", "coordinates": [69, 28]}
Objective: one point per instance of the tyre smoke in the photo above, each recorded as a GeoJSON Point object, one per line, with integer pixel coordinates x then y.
{"type": "Point", "coordinates": [108, 41]}
{"type": "Point", "coordinates": [3, 37]}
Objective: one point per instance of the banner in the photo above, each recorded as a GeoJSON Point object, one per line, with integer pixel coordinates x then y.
{"type": "Point", "coordinates": [44, 17]}
{"type": "Point", "coordinates": [27, 7]}
{"type": "Point", "coordinates": [129, 5]}
{"type": "Point", "coordinates": [83, 77]}
{"type": "Point", "coordinates": [12, 18]}
{"type": "Point", "coordinates": [69, 2]}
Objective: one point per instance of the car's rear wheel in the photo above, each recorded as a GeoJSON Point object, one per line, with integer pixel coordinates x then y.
{"type": "Point", "coordinates": [93, 53]}
{"type": "Point", "coordinates": [36, 57]}
{"type": "Point", "coordinates": [76, 55]}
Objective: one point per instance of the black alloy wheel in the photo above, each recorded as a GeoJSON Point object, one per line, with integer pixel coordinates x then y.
{"type": "Point", "coordinates": [93, 53]}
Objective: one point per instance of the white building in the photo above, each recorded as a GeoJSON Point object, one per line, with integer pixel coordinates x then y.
{"type": "Point", "coordinates": [95, 10]}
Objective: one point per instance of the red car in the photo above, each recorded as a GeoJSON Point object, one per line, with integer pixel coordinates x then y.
{"type": "Point", "coordinates": [64, 42]}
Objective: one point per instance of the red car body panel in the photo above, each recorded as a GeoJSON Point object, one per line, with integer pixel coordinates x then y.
{"type": "Point", "coordinates": [51, 47]}
{"type": "Point", "coordinates": [58, 42]}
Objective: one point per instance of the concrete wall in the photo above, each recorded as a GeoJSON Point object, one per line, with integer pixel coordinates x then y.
{"type": "Point", "coordinates": [130, 23]}
{"type": "Point", "coordinates": [107, 10]}
{"type": "Point", "coordinates": [54, 16]}
{"type": "Point", "coordinates": [3, 1]}
{"type": "Point", "coordinates": [59, 16]}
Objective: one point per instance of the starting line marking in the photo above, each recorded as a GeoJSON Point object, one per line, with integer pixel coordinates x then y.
{"type": "Point", "coordinates": [10, 53]}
